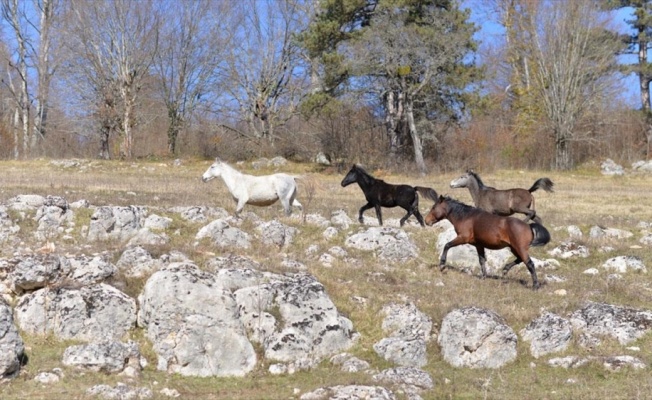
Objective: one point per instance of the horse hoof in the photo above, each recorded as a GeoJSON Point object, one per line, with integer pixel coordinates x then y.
{"type": "Point", "coordinates": [536, 286]}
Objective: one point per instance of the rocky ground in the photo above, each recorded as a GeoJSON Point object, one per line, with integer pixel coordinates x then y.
{"type": "Point", "coordinates": [136, 291]}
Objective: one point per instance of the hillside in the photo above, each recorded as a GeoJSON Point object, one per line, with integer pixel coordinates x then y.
{"type": "Point", "coordinates": [360, 283]}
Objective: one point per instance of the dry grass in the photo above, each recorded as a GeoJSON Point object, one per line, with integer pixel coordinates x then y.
{"type": "Point", "coordinates": [583, 198]}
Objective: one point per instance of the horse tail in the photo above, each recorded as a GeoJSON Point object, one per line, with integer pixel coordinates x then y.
{"type": "Point", "coordinates": [540, 235]}
{"type": "Point", "coordinates": [427, 192]}
{"type": "Point", "coordinates": [542, 183]}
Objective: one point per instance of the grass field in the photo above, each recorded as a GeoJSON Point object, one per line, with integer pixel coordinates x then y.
{"type": "Point", "coordinates": [582, 197]}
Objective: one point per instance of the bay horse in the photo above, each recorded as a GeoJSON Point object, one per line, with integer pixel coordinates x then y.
{"type": "Point", "coordinates": [485, 230]}
{"type": "Point", "coordinates": [382, 194]}
{"type": "Point", "coordinates": [502, 202]}
{"type": "Point", "coordinates": [255, 190]}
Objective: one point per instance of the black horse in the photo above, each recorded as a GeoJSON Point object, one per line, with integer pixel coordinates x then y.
{"type": "Point", "coordinates": [381, 194]}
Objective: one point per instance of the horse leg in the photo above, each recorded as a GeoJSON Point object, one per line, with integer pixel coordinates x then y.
{"type": "Point", "coordinates": [530, 214]}
{"type": "Point", "coordinates": [362, 210]}
{"type": "Point", "coordinates": [482, 259]}
{"type": "Point", "coordinates": [294, 202]}
{"type": "Point", "coordinates": [419, 217]}
{"type": "Point", "coordinates": [530, 267]}
{"type": "Point", "coordinates": [409, 212]}
{"type": "Point", "coordinates": [379, 215]}
{"type": "Point", "coordinates": [455, 242]}
{"type": "Point", "coordinates": [413, 209]}
{"type": "Point", "coordinates": [298, 205]}
{"type": "Point", "coordinates": [509, 266]}
{"type": "Point", "coordinates": [286, 206]}
{"type": "Point", "coordinates": [240, 206]}
{"type": "Point", "coordinates": [522, 254]}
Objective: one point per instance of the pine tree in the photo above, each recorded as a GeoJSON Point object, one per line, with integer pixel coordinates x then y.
{"type": "Point", "coordinates": [407, 55]}
{"type": "Point", "coordinates": [638, 43]}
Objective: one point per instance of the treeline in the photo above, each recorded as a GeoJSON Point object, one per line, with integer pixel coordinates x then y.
{"type": "Point", "coordinates": [385, 82]}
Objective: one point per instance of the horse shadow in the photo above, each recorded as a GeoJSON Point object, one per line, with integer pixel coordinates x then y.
{"type": "Point", "coordinates": [505, 280]}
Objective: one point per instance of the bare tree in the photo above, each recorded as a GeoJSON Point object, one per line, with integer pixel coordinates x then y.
{"type": "Point", "coordinates": [266, 85]}
{"type": "Point", "coordinates": [30, 26]}
{"type": "Point", "coordinates": [114, 44]}
{"type": "Point", "coordinates": [559, 61]}
{"type": "Point", "coordinates": [193, 41]}
{"type": "Point", "coordinates": [574, 54]}
{"type": "Point", "coordinates": [45, 67]}
{"type": "Point", "coordinates": [13, 12]}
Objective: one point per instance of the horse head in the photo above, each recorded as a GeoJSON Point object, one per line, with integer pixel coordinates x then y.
{"type": "Point", "coordinates": [213, 171]}
{"type": "Point", "coordinates": [462, 181]}
{"type": "Point", "coordinates": [351, 176]}
{"type": "Point", "coordinates": [438, 211]}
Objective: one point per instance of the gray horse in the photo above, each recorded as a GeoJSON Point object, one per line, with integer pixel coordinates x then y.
{"type": "Point", "coordinates": [502, 202]}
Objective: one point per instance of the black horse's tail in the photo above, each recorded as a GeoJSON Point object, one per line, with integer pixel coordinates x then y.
{"type": "Point", "coordinates": [540, 235]}
{"type": "Point", "coordinates": [542, 183]}
{"type": "Point", "coordinates": [427, 192]}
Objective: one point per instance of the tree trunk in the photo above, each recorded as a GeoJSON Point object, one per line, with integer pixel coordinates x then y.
{"type": "Point", "coordinates": [648, 134]}
{"type": "Point", "coordinates": [563, 159]}
{"type": "Point", "coordinates": [10, 13]}
{"type": "Point", "coordinates": [643, 78]}
{"type": "Point", "coordinates": [416, 139]}
{"type": "Point", "coordinates": [394, 106]}
{"type": "Point", "coordinates": [127, 139]}
{"type": "Point", "coordinates": [173, 130]}
{"type": "Point", "coordinates": [644, 86]}
{"type": "Point", "coordinates": [104, 142]}
{"type": "Point", "coordinates": [24, 116]}
{"type": "Point", "coordinates": [23, 101]}
{"type": "Point", "coordinates": [14, 128]}
{"type": "Point", "coordinates": [44, 74]}
{"type": "Point", "coordinates": [40, 119]}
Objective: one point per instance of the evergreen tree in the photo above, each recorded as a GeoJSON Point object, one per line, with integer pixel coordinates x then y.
{"type": "Point", "coordinates": [409, 56]}
{"type": "Point", "coordinates": [638, 43]}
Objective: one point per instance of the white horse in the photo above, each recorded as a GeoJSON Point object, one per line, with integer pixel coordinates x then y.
{"type": "Point", "coordinates": [255, 190]}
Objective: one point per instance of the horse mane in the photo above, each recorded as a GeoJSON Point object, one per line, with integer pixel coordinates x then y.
{"type": "Point", "coordinates": [229, 167]}
{"type": "Point", "coordinates": [365, 175]}
{"type": "Point", "coordinates": [457, 208]}
{"type": "Point", "coordinates": [481, 184]}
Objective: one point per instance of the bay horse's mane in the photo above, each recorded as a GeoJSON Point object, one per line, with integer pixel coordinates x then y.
{"type": "Point", "coordinates": [458, 209]}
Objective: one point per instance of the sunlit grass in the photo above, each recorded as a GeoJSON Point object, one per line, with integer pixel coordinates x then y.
{"type": "Point", "coordinates": [584, 198]}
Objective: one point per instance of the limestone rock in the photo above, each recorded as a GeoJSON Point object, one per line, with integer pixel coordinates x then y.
{"type": "Point", "coordinates": [12, 348]}
{"type": "Point", "coordinates": [547, 334]}
{"type": "Point", "coordinates": [194, 324]}
{"type": "Point", "coordinates": [476, 338]}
